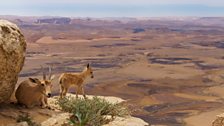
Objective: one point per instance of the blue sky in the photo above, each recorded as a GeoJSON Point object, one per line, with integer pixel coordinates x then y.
{"type": "Point", "coordinates": [112, 8]}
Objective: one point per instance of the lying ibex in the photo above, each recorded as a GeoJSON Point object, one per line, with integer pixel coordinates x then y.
{"type": "Point", "coordinates": [68, 79]}
{"type": "Point", "coordinates": [34, 92]}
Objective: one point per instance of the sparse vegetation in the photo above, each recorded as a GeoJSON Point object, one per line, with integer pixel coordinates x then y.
{"type": "Point", "coordinates": [91, 112]}
{"type": "Point", "coordinates": [25, 117]}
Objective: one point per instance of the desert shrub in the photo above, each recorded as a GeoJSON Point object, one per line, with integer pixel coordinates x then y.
{"type": "Point", "coordinates": [91, 112]}
{"type": "Point", "coordinates": [26, 118]}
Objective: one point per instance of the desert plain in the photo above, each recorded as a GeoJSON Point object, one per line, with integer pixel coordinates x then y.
{"type": "Point", "coordinates": [170, 71]}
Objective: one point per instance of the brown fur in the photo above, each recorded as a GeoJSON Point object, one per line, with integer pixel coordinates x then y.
{"type": "Point", "coordinates": [31, 93]}
{"type": "Point", "coordinates": [34, 92]}
{"type": "Point", "coordinates": [66, 80]}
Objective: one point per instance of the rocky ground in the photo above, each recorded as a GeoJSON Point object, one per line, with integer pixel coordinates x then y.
{"type": "Point", "coordinates": [55, 117]}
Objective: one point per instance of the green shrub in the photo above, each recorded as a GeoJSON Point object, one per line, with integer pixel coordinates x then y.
{"type": "Point", "coordinates": [91, 112]}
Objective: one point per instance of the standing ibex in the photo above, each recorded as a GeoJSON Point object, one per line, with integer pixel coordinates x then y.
{"type": "Point", "coordinates": [68, 79]}
{"type": "Point", "coordinates": [33, 91]}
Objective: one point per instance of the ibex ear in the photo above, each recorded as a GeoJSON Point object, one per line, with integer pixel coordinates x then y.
{"type": "Point", "coordinates": [87, 65]}
{"type": "Point", "coordinates": [34, 80]}
{"type": "Point", "coordinates": [52, 77]}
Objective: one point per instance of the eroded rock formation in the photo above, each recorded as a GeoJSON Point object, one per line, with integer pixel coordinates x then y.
{"type": "Point", "coordinates": [12, 55]}
{"type": "Point", "coordinates": [219, 121]}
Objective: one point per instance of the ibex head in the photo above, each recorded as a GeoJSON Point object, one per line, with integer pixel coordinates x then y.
{"type": "Point", "coordinates": [44, 84]}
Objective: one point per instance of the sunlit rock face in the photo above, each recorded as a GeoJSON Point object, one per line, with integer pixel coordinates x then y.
{"type": "Point", "coordinates": [12, 55]}
{"type": "Point", "coordinates": [219, 121]}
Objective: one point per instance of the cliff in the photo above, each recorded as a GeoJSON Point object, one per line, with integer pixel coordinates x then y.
{"type": "Point", "coordinates": [58, 120]}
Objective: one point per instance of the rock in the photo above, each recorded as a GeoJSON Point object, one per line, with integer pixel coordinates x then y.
{"type": "Point", "coordinates": [12, 55]}
{"type": "Point", "coordinates": [57, 120]}
{"type": "Point", "coordinates": [22, 124]}
{"type": "Point", "coordinates": [128, 121]}
{"type": "Point", "coordinates": [219, 121]}
{"type": "Point", "coordinates": [111, 99]}
{"type": "Point", "coordinates": [19, 124]}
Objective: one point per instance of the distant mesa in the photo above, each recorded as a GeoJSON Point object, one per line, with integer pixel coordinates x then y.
{"type": "Point", "coordinates": [219, 44]}
{"type": "Point", "coordinates": [59, 21]}
{"type": "Point", "coordinates": [138, 30]}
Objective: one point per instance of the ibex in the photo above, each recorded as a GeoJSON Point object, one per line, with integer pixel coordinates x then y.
{"type": "Point", "coordinates": [68, 79]}
{"type": "Point", "coordinates": [34, 92]}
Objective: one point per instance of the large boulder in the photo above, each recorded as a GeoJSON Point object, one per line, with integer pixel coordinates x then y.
{"type": "Point", "coordinates": [12, 55]}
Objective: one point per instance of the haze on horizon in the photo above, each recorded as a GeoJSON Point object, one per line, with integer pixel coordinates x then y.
{"type": "Point", "coordinates": [113, 8]}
